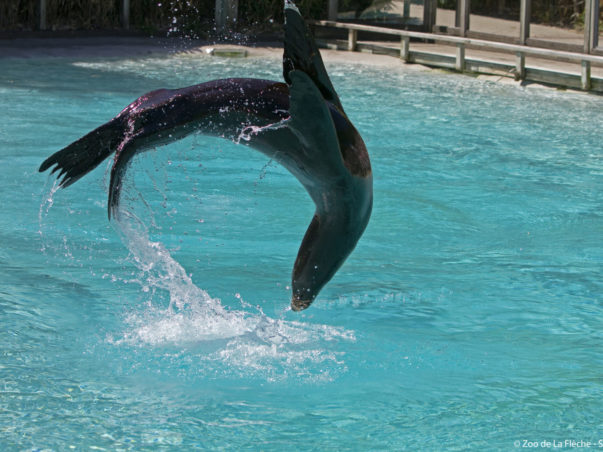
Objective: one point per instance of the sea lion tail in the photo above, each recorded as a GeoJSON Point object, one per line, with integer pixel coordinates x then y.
{"type": "Point", "coordinates": [85, 154]}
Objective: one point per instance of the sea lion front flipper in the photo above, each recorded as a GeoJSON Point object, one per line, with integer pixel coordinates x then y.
{"type": "Point", "coordinates": [313, 125]}
{"type": "Point", "coordinates": [322, 171]}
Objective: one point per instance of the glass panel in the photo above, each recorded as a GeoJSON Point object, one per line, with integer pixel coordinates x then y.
{"type": "Point", "coordinates": [446, 13]}
{"type": "Point", "coordinates": [404, 12]}
{"type": "Point", "coordinates": [495, 17]}
{"type": "Point", "coordinates": [558, 23]}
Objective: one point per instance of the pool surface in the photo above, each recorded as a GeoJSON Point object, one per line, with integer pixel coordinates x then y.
{"type": "Point", "coordinates": [470, 315]}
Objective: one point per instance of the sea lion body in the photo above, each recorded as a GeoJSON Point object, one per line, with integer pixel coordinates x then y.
{"type": "Point", "coordinates": [301, 124]}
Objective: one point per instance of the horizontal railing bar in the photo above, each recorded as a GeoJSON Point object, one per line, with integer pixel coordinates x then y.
{"type": "Point", "coordinates": [513, 48]}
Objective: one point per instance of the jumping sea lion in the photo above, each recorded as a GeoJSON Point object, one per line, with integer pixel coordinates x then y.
{"type": "Point", "coordinates": [300, 123]}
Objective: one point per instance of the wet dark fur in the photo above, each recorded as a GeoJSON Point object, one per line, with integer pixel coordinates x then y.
{"type": "Point", "coordinates": [301, 124]}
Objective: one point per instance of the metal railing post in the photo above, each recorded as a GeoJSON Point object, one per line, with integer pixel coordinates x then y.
{"type": "Point", "coordinates": [352, 40]}
{"type": "Point", "coordinates": [333, 9]}
{"type": "Point", "coordinates": [520, 66]}
{"type": "Point", "coordinates": [227, 12]}
{"type": "Point", "coordinates": [405, 48]}
{"type": "Point", "coordinates": [463, 14]}
{"type": "Point", "coordinates": [220, 15]}
{"type": "Point", "coordinates": [594, 34]}
{"type": "Point", "coordinates": [460, 57]}
{"type": "Point", "coordinates": [429, 14]}
{"type": "Point", "coordinates": [125, 14]}
{"type": "Point", "coordinates": [587, 24]}
{"type": "Point", "coordinates": [525, 13]}
{"type": "Point", "coordinates": [42, 15]}
{"type": "Point", "coordinates": [406, 10]}
{"type": "Point", "coordinates": [585, 81]}
{"type": "Point", "coordinates": [591, 25]}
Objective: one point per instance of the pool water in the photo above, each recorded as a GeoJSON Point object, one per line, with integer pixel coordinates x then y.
{"type": "Point", "coordinates": [470, 315]}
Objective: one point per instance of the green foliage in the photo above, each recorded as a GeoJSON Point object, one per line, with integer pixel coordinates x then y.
{"type": "Point", "coordinates": [579, 21]}
{"type": "Point", "coordinates": [61, 14]}
{"type": "Point", "coordinates": [17, 14]}
{"type": "Point", "coordinates": [447, 4]}
{"type": "Point", "coordinates": [195, 15]}
{"type": "Point", "coordinates": [354, 5]}
{"type": "Point", "coordinates": [266, 13]}
{"type": "Point", "coordinates": [105, 14]}
{"type": "Point", "coordinates": [260, 13]}
{"type": "Point", "coordinates": [82, 14]}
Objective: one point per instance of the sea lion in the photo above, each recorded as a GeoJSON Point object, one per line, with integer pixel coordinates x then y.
{"type": "Point", "coordinates": [300, 123]}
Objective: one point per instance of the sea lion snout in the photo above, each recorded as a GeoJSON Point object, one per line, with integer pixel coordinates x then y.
{"type": "Point", "coordinates": [299, 304]}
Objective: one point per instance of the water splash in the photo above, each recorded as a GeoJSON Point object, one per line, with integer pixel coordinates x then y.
{"type": "Point", "coordinates": [240, 340]}
{"type": "Point", "coordinates": [47, 201]}
{"type": "Point", "coordinates": [183, 17]}
{"type": "Point", "coordinates": [248, 132]}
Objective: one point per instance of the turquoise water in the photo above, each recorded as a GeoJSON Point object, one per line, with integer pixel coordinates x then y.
{"type": "Point", "coordinates": [470, 315]}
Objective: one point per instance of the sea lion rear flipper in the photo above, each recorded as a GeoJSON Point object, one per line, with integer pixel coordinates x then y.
{"type": "Point", "coordinates": [85, 154]}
